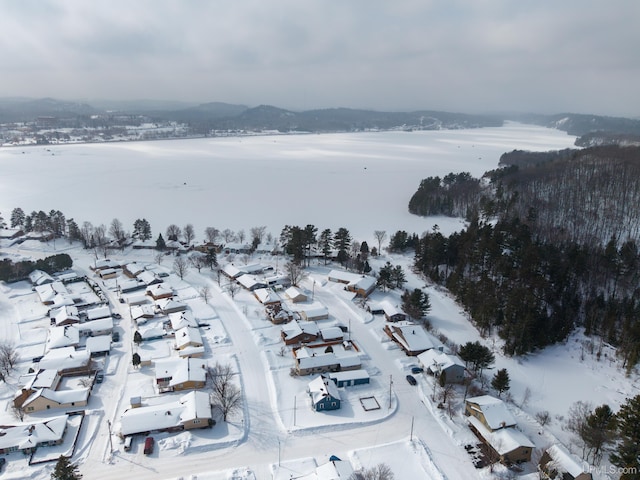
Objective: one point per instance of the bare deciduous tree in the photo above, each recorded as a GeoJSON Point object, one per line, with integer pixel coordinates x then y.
{"type": "Point", "coordinates": [233, 288]}
{"type": "Point", "coordinates": [228, 235]}
{"type": "Point", "coordinates": [240, 234]}
{"type": "Point", "coordinates": [295, 272]}
{"type": "Point", "coordinates": [158, 257]}
{"type": "Point", "coordinates": [257, 234]}
{"type": "Point", "coordinates": [205, 293]}
{"type": "Point", "coordinates": [173, 232]}
{"type": "Point", "coordinates": [382, 471]}
{"type": "Point", "coordinates": [211, 234]}
{"type": "Point", "coordinates": [116, 230]}
{"type": "Point", "coordinates": [180, 266]}
{"type": "Point", "coordinates": [225, 393]}
{"type": "Point", "coordinates": [9, 357]}
{"type": "Point", "coordinates": [381, 236]}
{"type": "Point", "coordinates": [198, 260]}
{"type": "Point", "coordinates": [188, 233]}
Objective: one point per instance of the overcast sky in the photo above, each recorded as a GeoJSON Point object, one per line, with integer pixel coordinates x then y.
{"type": "Point", "coordinates": [470, 56]}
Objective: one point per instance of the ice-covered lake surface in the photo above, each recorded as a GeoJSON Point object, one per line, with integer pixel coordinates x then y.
{"type": "Point", "coordinates": [362, 181]}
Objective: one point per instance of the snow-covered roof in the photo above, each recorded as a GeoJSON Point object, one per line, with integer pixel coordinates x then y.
{"type": "Point", "coordinates": [249, 281]}
{"type": "Point", "coordinates": [136, 299]}
{"type": "Point", "coordinates": [565, 461]}
{"type": "Point", "coordinates": [29, 435]}
{"type": "Point", "coordinates": [181, 370]}
{"type": "Point", "coordinates": [38, 277]}
{"type": "Point", "coordinates": [413, 337]}
{"type": "Point", "coordinates": [231, 270]}
{"type": "Point", "coordinates": [148, 277]}
{"type": "Point", "coordinates": [153, 331]}
{"type": "Point", "coordinates": [44, 378]}
{"type": "Point", "coordinates": [63, 336]}
{"type": "Point", "coordinates": [331, 333]}
{"type": "Point", "coordinates": [100, 325]}
{"type": "Point", "coordinates": [437, 361]}
{"type": "Point", "coordinates": [266, 295]}
{"type": "Point", "coordinates": [98, 312]}
{"type": "Point", "coordinates": [315, 311]}
{"type": "Point", "coordinates": [168, 304]}
{"type": "Point", "coordinates": [48, 291]}
{"type": "Point", "coordinates": [77, 395]}
{"type": "Point", "coordinates": [293, 329]}
{"type": "Point", "coordinates": [349, 375]}
{"type": "Point", "coordinates": [140, 311]}
{"type": "Point", "coordinates": [68, 313]}
{"type": "Point", "coordinates": [180, 320]}
{"type": "Point", "coordinates": [321, 387]}
{"type": "Point", "coordinates": [334, 470]}
{"type": "Point", "coordinates": [504, 440]}
{"type": "Point", "coordinates": [494, 410]}
{"type": "Point", "coordinates": [171, 413]}
{"type": "Point", "coordinates": [101, 343]}
{"type": "Point", "coordinates": [188, 336]}
{"type": "Point", "coordinates": [159, 289]}
{"type": "Point", "coordinates": [390, 309]}
{"type": "Point", "coordinates": [295, 294]}
{"type": "Point", "coordinates": [64, 358]}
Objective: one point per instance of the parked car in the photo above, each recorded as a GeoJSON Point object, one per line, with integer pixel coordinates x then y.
{"type": "Point", "coordinates": [128, 441]}
{"type": "Point", "coordinates": [115, 336]}
{"type": "Point", "coordinates": [148, 445]}
{"type": "Point", "coordinates": [411, 379]}
{"type": "Point", "coordinates": [100, 377]}
{"type": "Point", "coordinates": [416, 370]}
{"type": "Point", "coordinates": [2, 462]}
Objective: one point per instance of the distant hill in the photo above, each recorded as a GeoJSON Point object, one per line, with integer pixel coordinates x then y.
{"type": "Point", "coordinates": [25, 110]}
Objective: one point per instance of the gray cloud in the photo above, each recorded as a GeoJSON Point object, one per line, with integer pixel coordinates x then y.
{"type": "Point", "coordinates": [485, 55]}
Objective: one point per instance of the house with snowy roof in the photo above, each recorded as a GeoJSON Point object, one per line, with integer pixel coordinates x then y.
{"type": "Point", "coordinates": [412, 338]}
{"type": "Point", "coordinates": [99, 346]}
{"type": "Point", "coordinates": [142, 313]}
{"type": "Point", "coordinates": [278, 314]}
{"type": "Point", "coordinates": [38, 277]}
{"type": "Point", "coordinates": [506, 445]}
{"type": "Point", "coordinates": [490, 411]}
{"type": "Point", "coordinates": [442, 365]}
{"type": "Point", "coordinates": [168, 305]}
{"type": "Point", "coordinates": [361, 285]}
{"type": "Point", "coordinates": [391, 312]}
{"type": "Point", "coordinates": [180, 320]}
{"type": "Point", "coordinates": [314, 312]}
{"type": "Point", "coordinates": [295, 294]}
{"type": "Point", "coordinates": [314, 360]}
{"type": "Point", "coordinates": [152, 332]}
{"type": "Point", "coordinates": [132, 270]}
{"type": "Point", "coordinates": [294, 333]}
{"type": "Point", "coordinates": [47, 399]}
{"type": "Point", "coordinates": [349, 378]}
{"type": "Point", "coordinates": [188, 337]}
{"type": "Point", "coordinates": [149, 278]}
{"type": "Point", "coordinates": [557, 463]}
{"type": "Point", "coordinates": [189, 411]}
{"type": "Point", "coordinates": [27, 437]}
{"type": "Point", "coordinates": [177, 374]}
{"type": "Point", "coordinates": [104, 263]}
{"type": "Point", "coordinates": [66, 360]}
{"type": "Point", "coordinates": [331, 334]}
{"type": "Point", "coordinates": [48, 292]}
{"type": "Point", "coordinates": [250, 282]}
{"type": "Point", "coordinates": [324, 394]}
{"type": "Point", "coordinates": [158, 291]}
{"type": "Point", "coordinates": [95, 328]}
{"type": "Point", "coordinates": [65, 315]}
{"type": "Point", "coordinates": [97, 313]}
{"type": "Point", "coordinates": [63, 336]}
{"type": "Point", "coordinates": [266, 296]}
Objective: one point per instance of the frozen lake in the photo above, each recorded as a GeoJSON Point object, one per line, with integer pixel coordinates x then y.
{"type": "Point", "coordinates": [362, 181]}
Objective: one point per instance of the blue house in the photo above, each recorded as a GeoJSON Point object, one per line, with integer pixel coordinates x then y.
{"type": "Point", "coordinates": [324, 394]}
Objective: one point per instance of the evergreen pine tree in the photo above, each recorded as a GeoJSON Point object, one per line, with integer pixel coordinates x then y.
{"type": "Point", "coordinates": [65, 470]}
{"type": "Point", "coordinates": [501, 381]}
{"type": "Point", "coordinates": [136, 360]}
{"type": "Point", "coordinates": [627, 453]}
{"type": "Point", "coordinates": [137, 337]}
{"type": "Point", "coordinates": [160, 243]}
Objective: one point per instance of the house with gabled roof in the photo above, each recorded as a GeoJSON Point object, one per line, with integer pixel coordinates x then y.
{"type": "Point", "coordinates": [99, 346]}
{"type": "Point", "coordinates": [189, 411]}
{"type": "Point", "coordinates": [38, 277]}
{"type": "Point", "coordinates": [313, 360]}
{"type": "Point", "coordinates": [250, 282]}
{"type": "Point", "coordinates": [142, 313]}
{"type": "Point", "coordinates": [411, 337]}
{"type": "Point", "coordinates": [266, 296]}
{"type": "Point", "coordinates": [442, 365]}
{"type": "Point", "coordinates": [278, 314]}
{"type": "Point", "coordinates": [48, 292]}
{"type": "Point", "coordinates": [149, 278]}
{"type": "Point", "coordinates": [350, 378]}
{"type": "Point", "coordinates": [47, 399]}
{"type": "Point", "coordinates": [506, 445]}
{"type": "Point", "coordinates": [152, 332]}
{"type": "Point", "coordinates": [361, 285]}
{"type": "Point", "coordinates": [324, 394]}
{"type": "Point", "coordinates": [490, 411]}
{"type": "Point", "coordinates": [314, 312]}
{"type": "Point", "coordinates": [180, 320]}
{"type": "Point", "coordinates": [96, 313]}
{"type": "Point", "coordinates": [96, 328]}
{"type": "Point", "coordinates": [104, 263]}
{"type": "Point", "coordinates": [63, 336]}
{"type": "Point", "coordinates": [188, 337]}
{"type": "Point", "coordinates": [168, 305]}
{"type": "Point", "coordinates": [391, 312]}
{"type": "Point", "coordinates": [295, 294]}
{"type": "Point", "coordinates": [294, 333]}
{"type": "Point", "coordinates": [132, 270]}
{"type": "Point", "coordinates": [27, 437]}
{"type": "Point", "coordinates": [159, 291]}
{"type": "Point", "coordinates": [557, 463]}
{"type": "Point", "coordinates": [177, 374]}
{"type": "Point", "coordinates": [65, 315]}
{"type": "Point", "coordinates": [66, 360]}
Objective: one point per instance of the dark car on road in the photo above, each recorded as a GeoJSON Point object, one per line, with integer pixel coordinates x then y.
{"type": "Point", "coordinates": [416, 370]}
{"type": "Point", "coordinates": [411, 379]}
{"type": "Point", "coordinates": [148, 445]}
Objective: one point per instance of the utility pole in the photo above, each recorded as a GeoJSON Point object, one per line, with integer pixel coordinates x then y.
{"type": "Point", "coordinates": [110, 441]}
{"type": "Point", "coordinates": [411, 434]}
{"type": "Point", "coordinates": [390, 385]}
{"type": "Point", "coordinates": [294, 410]}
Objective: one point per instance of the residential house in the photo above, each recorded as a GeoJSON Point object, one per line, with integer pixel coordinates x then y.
{"type": "Point", "coordinates": [168, 305]}
{"type": "Point", "coordinates": [335, 469]}
{"type": "Point", "coordinates": [506, 445]}
{"type": "Point", "coordinates": [361, 285]}
{"type": "Point", "coordinates": [65, 315]}
{"type": "Point", "coordinates": [391, 312]}
{"type": "Point", "coordinates": [99, 346]}
{"type": "Point", "coordinates": [277, 281]}
{"type": "Point", "coordinates": [107, 273]}
{"type": "Point", "coordinates": [97, 313]}
{"type": "Point", "coordinates": [142, 313]}
{"type": "Point", "coordinates": [250, 282]}
{"type": "Point", "coordinates": [64, 336]}
{"type": "Point", "coordinates": [189, 411]}
{"type": "Point", "coordinates": [314, 312]}
{"type": "Point", "coordinates": [47, 399]}
{"type": "Point", "coordinates": [49, 291]}
{"type": "Point", "coordinates": [104, 263]}
{"type": "Point", "coordinates": [158, 291]}
{"type": "Point", "coordinates": [557, 463]}
{"type": "Point", "coordinates": [266, 296]}
{"type": "Point", "coordinates": [324, 394]}
{"type": "Point", "coordinates": [350, 378]}
{"type": "Point", "coordinates": [299, 332]}
{"type": "Point", "coordinates": [331, 334]}
{"type": "Point", "coordinates": [278, 314]}
{"type": "Point", "coordinates": [180, 320]}
{"type": "Point", "coordinates": [96, 328]}
{"type": "Point", "coordinates": [38, 277]}
{"type": "Point", "coordinates": [132, 270]}
{"type": "Point", "coordinates": [188, 337]}
{"type": "Point", "coordinates": [149, 278]}
{"type": "Point", "coordinates": [490, 411]}
{"type": "Point", "coordinates": [441, 365]}
{"type": "Point", "coordinates": [311, 360]}
{"type": "Point", "coordinates": [410, 337]}
{"type": "Point", "coordinates": [27, 437]}
{"type": "Point", "coordinates": [295, 295]}
{"type": "Point", "coordinates": [66, 361]}
{"type": "Point", "coordinates": [152, 332]}
{"type": "Point", "coordinates": [177, 374]}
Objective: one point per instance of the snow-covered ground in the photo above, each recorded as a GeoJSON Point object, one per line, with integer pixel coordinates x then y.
{"type": "Point", "coordinates": [305, 179]}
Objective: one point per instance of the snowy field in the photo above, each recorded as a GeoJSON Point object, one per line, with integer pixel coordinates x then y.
{"type": "Point", "coordinates": [361, 181]}
{"type": "Point", "coordinates": [272, 181]}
